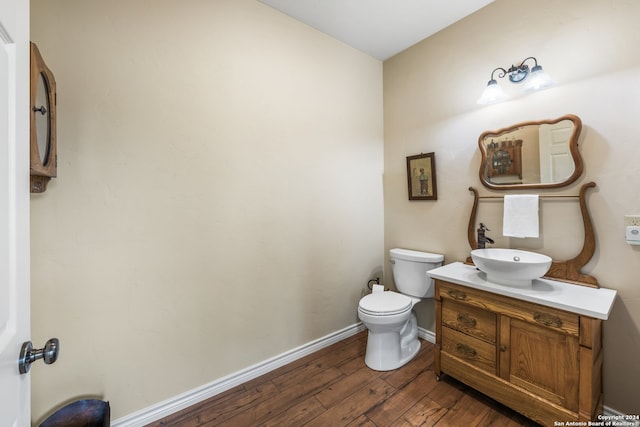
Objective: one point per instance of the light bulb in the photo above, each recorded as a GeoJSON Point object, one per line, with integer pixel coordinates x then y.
{"type": "Point", "coordinates": [492, 93]}
{"type": "Point", "coordinates": [538, 79]}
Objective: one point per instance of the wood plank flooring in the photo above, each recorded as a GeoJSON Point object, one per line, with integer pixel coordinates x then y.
{"type": "Point", "coordinates": [333, 387]}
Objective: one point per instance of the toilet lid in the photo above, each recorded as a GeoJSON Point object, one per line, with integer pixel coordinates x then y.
{"type": "Point", "coordinates": [385, 303]}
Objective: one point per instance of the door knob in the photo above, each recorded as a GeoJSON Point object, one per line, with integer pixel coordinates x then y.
{"type": "Point", "coordinates": [49, 354]}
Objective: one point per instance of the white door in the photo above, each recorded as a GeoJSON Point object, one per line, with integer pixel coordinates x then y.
{"type": "Point", "coordinates": [556, 162]}
{"type": "Point", "coordinates": [14, 209]}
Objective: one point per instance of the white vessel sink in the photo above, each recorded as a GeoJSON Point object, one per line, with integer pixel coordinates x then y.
{"type": "Point", "coordinates": [511, 267]}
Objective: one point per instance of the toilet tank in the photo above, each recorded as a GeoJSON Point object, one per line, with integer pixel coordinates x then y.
{"type": "Point", "coordinates": [409, 271]}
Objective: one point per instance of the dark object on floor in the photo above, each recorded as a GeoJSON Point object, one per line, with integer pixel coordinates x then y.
{"type": "Point", "coordinates": [82, 413]}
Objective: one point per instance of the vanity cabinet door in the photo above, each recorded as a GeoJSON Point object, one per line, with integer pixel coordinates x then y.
{"type": "Point", "coordinates": [542, 361]}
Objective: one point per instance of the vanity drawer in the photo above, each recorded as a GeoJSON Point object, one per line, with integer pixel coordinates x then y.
{"type": "Point", "coordinates": [555, 319]}
{"type": "Point", "coordinates": [471, 350]}
{"type": "Point", "coordinates": [470, 320]}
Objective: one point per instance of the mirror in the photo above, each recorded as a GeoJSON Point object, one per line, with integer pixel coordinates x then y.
{"type": "Point", "coordinates": [43, 151]}
{"type": "Point", "coordinates": [542, 154]}
{"type": "Point", "coordinates": [42, 119]}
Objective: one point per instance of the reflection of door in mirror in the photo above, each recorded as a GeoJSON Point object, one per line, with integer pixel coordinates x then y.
{"type": "Point", "coordinates": [541, 154]}
{"type": "Point", "coordinates": [556, 164]}
{"type": "Point", "coordinates": [43, 150]}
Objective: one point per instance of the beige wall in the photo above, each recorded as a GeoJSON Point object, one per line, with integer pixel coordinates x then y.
{"type": "Point", "coordinates": [590, 48]}
{"type": "Point", "coordinates": [218, 200]}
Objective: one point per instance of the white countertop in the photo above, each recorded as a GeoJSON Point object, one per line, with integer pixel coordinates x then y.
{"type": "Point", "coordinates": [578, 299]}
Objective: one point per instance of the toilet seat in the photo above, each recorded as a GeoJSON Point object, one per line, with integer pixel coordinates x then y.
{"type": "Point", "coordinates": [385, 304]}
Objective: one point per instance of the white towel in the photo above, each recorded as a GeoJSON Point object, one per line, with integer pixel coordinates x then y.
{"type": "Point", "coordinates": [520, 217]}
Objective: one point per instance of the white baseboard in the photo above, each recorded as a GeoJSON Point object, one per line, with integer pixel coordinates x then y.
{"type": "Point", "coordinates": [184, 400]}
{"type": "Point", "coordinates": [427, 335]}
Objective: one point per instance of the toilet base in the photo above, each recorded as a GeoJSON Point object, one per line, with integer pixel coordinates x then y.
{"type": "Point", "coordinates": [390, 350]}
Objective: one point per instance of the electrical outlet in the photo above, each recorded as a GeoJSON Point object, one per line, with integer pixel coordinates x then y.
{"type": "Point", "coordinates": [632, 220]}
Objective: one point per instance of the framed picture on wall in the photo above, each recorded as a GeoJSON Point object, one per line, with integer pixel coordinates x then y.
{"type": "Point", "coordinates": [421, 177]}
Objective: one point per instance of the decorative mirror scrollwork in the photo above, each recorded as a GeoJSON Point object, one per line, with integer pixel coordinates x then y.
{"type": "Point", "coordinates": [542, 154]}
{"type": "Point", "coordinates": [568, 270]}
{"type": "Point", "coordinates": [43, 153]}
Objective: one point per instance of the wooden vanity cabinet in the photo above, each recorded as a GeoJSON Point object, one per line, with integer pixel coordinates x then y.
{"type": "Point", "coordinates": [540, 361]}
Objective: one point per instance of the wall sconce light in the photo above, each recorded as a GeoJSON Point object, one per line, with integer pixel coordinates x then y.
{"type": "Point", "coordinates": [536, 79]}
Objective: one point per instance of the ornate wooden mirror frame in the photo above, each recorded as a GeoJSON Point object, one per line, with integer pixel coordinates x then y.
{"type": "Point", "coordinates": [521, 149]}
{"type": "Point", "coordinates": [44, 156]}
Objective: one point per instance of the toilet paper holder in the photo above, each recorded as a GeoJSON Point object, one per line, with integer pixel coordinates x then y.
{"type": "Point", "coordinates": [372, 282]}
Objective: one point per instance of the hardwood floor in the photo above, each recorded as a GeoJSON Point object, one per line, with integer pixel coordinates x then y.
{"type": "Point", "coordinates": [333, 387]}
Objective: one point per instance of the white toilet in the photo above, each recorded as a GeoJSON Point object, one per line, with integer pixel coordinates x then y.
{"type": "Point", "coordinates": [393, 328]}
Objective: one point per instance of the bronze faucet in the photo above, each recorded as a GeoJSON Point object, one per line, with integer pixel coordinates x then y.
{"type": "Point", "coordinates": [482, 239]}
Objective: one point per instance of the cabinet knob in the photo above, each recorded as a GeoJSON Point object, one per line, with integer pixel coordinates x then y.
{"type": "Point", "coordinates": [465, 350]}
{"type": "Point", "coordinates": [547, 319]}
{"type": "Point", "coordinates": [466, 320]}
{"type": "Point", "coordinates": [42, 110]}
{"type": "Point", "coordinates": [456, 294]}
{"type": "Point", "coordinates": [503, 348]}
